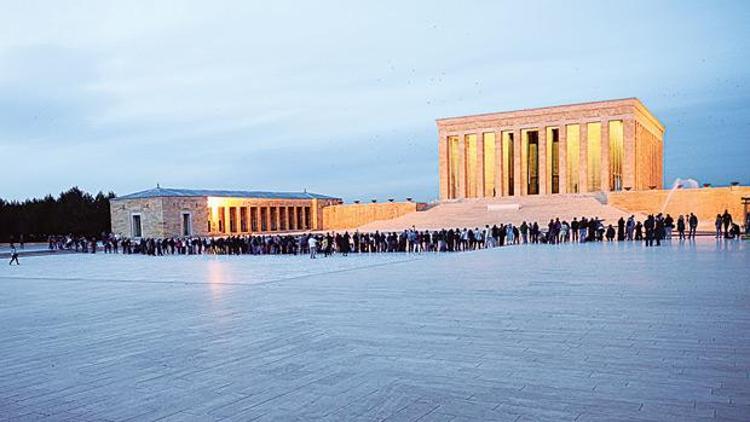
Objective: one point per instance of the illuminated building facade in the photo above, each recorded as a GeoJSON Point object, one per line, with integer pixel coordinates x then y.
{"type": "Point", "coordinates": [163, 212]}
{"type": "Point", "coordinates": [599, 146]}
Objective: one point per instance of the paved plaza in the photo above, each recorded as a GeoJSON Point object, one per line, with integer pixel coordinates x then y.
{"type": "Point", "coordinates": [572, 332]}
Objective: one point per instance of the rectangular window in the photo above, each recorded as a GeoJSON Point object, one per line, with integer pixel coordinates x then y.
{"type": "Point", "coordinates": [508, 163]}
{"type": "Point", "coordinates": [187, 230]}
{"type": "Point", "coordinates": [136, 229]}
{"type": "Point", "coordinates": [292, 219]}
{"type": "Point", "coordinates": [573, 138]}
{"type": "Point", "coordinates": [274, 219]}
{"type": "Point", "coordinates": [471, 166]}
{"type": "Point", "coordinates": [489, 164]}
{"type": "Point", "coordinates": [553, 159]}
{"type": "Point", "coordinates": [222, 220]}
{"type": "Point", "coordinates": [282, 219]}
{"type": "Point", "coordinates": [233, 219]}
{"type": "Point", "coordinates": [616, 154]}
{"type": "Point", "coordinates": [594, 156]}
{"type": "Point", "coordinates": [531, 154]}
{"type": "Point", "coordinates": [453, 164]}
{"type": "Point", "coordinates": [254, 219]}
{"type": "Point", "coordinates": [263, 219]}
{"type": "Point", "coordinates": [243, 219]}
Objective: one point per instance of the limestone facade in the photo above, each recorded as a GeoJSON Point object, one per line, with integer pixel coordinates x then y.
{"type": "Point", "coordinates": [599, 146]}
{"type": "Point", "coordinates": [705, 203]}
{"type": "Point", "coordinates": [348, 216]}
{"type": "Point", "coordinates": [175, 213]}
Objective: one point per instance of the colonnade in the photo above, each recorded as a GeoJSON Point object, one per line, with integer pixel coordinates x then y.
{"type": "Point", "coordinates": [573, 157]}
{"type": "Point", "coordinates": [260, 219]}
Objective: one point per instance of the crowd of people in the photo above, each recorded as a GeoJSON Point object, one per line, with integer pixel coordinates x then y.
{"type": "Point", "coordinates": [653, 230]}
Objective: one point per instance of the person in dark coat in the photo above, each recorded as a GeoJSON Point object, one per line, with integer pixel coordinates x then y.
{"type": "Point", "coordinates": [621, 229]}
{"type": "Point", "coordinates": [659, 230]}
{"type": "Point", "coordinates": [726, 219]}
{"type": "Point", "coordinates": [648, 225]}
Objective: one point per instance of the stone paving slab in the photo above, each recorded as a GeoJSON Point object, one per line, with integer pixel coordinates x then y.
{"type": "Point", "coordinates": [569, 332]}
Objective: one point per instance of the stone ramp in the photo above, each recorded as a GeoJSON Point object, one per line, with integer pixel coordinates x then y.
{"type": "Point", "coordinates": [481, 212]}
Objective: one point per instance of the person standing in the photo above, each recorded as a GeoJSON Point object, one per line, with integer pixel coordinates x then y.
{"type": "Point", "coordinates": [312, 243]}
{"type": "Point", "coordinates": [659, 229]}
{"type": "Point", "coordinates": [681, 227]}
{"type": "Point", "coordinates": [668, 226]}
{"type": "Point", "coordinates": [717, 225]}
{"type": "Point", "coordinates": [726, 220]}
{"type": "Point", "coordinates": [648, 225]}
{"type": "Point", "coordinates": [574, 230]}
{"type": "Point", "coordinates": [13, 255]}
{"type": "Point", "coordinates": [630, 227]}
{"type": "Point", "coordinates": [693, 225]}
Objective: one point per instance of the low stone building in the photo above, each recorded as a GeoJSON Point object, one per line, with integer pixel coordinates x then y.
{"type": "Point", "coordinates": [164, 212]}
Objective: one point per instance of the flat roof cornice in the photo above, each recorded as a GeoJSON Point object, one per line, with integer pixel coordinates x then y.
{"type": "Point", "coordinates": [632, 101]}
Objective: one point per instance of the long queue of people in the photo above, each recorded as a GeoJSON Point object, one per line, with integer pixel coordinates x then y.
{"type": "Point", "coordinates": [653, 230]}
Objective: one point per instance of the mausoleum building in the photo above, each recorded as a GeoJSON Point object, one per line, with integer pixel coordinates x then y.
{"type": "Point", "coordinates": [590, 147]}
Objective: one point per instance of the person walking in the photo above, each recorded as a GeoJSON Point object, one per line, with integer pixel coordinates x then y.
{"type": "Point", "coordinates": [13, 255]}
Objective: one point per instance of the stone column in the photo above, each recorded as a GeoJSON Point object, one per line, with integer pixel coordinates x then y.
{"type": "Point", "coordinates": [480, 165]}
{"type": "Point", "coordinates": [443, 166]}
{"type": "Point", "coordinates": [563, 158]}
{"type": "Point", "coordinates": [316, 217]}
{"type": "Point", "coordinates": [461, 185]}
{"type": "Point", "coordinates": [628, 161]}
{"type": "Point", "coordinates": [604, 161]}
{"type": "Point", "coordinates": [660, 164]}
{"type": "Point", "coordinates": [499, 164]}
{"type": "Point", "coordinates": [517, 168]}
{"type": "Point", "coordinates": [543, 161]}
{"type": "Point", "coordinates": [583, 163]}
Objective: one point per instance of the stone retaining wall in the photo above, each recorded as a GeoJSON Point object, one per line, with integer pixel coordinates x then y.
{"type": "Point", "coordinates": [347, 216]}
{"type": "Point", "coordinates": [704, 202]}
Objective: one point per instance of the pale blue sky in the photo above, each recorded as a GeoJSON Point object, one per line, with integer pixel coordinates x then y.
{"type": "Point", "coordinates": [341, 97]}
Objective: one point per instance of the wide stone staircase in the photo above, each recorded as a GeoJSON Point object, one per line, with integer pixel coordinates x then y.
{"type": "Point", "coordinates": [489, 211]}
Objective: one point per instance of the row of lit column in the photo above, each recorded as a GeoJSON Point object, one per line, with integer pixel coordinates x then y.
{"type": "Point", "coordinates": [590, 156]}
{"type": "Point", "coordinates": [259, 219]}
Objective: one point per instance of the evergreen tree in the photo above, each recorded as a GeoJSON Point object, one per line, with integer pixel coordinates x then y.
{"type": "Point", "coordinates": [73, 212]}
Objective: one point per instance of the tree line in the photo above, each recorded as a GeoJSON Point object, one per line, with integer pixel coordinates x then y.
{"type": "Point", "coordinates": [73, 212]}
